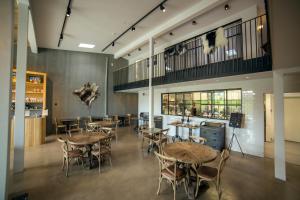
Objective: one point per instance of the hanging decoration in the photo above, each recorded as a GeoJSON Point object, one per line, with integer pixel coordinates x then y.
{"type": "Point", "coordinates": [87, 93]}
{"type": "Point", "coordinates": [213, 40]}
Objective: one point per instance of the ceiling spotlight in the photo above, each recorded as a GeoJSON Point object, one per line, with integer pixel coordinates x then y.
{"type": "Point", "coordinates": [68, 12]}
{"type": "Point", "coordinates": [194, 22]}
{"type": "Point", "coordinates": [226, 7]}
{"type": "Point", "coordinates": [128, 54]}
{"type": "Point", "coordinates": [113, 44]}
{"type": "Point", "coordinates": [139, 49]}
{"type": "Point", "coordinates": [133, 28]}
{"type": "Point", "coordinates": [61, 36]}
{"type": "Point", "coordinates": [162, 8]}
{"type": "Point", "coordinates": [171, 33]}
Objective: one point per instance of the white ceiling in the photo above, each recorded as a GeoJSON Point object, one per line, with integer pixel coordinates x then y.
{"type": "Point", "coordinates": [98, 21]}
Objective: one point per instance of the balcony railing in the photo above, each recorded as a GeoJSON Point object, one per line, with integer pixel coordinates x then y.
{"type": "Point", "coordinates": [247, 51]}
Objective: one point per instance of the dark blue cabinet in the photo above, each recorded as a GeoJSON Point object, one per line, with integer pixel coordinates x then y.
{"type": "Point", "coordinates": [214, 133]}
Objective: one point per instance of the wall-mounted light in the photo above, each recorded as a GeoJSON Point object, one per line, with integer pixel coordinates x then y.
{"type": "Point", "coordinates": [226, 7]}
{"type": "Point", "coordinates": [259, 27]}
{"type": "Point", "coordinates": [162, 8]}
{"type": "Point", "coordinates": [68, 12]}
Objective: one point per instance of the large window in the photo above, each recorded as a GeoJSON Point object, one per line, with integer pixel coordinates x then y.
{"type": "Point", "coordinates": [216, 104]}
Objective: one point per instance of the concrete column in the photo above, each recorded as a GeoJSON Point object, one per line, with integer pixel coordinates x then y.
{"type": "Point", "coordinates": [6, 47]}
{"type": "Point", "coordinates": [151, 95]}
{"type": "Point", "coordinates": [21, 86]}
{"type": "Point", "coordinates": [279, 143]}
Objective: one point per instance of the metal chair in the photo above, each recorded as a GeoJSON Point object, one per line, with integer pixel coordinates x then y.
{"type": "Point", "coordinates": [102, 150]}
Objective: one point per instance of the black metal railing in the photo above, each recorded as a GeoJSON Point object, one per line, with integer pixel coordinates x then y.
{"type": "Point", "coordinates": [247, 51]}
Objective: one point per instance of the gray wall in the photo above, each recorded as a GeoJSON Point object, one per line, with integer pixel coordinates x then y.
{"type": "Point", "coordinates": [69, 70]}
{"type": "Point", "coordinates": [285, 32]}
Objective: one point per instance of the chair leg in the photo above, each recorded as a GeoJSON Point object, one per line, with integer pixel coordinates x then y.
{"type": "Point", "coordinates": [56, 130]}
{"type": "Point", "coordinates": [99, 161]}
{"type": "Point", "coordinates": [110, 160]}
{"type": "Point", "coordinates": [185, 186]}
{"type": "Point", "coordinates": [67, 163]}
{"type": "Point", "coordinates": [142, 143]}
{"type": "Point", "coordinates": [63, 165]}
{"type": "Point", "coordinates": [174, 188]}
{"type": "Point", "coordinates": [159, 183]}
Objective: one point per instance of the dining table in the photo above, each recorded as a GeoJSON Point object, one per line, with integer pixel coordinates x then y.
{"type": "Point", "coordinates": [189, 126]}
{"type": "Point", "coordinates": [68, 122]}
{"type": "Point", "coordinates": [96, 125]}
{"type": "Point", "coordinates": [191, 155]}
{"type": "Point", "coordinates": [151, 133]}
{"type": "Point", "coordinates": [87, 140]}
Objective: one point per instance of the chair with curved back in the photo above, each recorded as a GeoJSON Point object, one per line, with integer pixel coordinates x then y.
{"type": "Point", "coordinates": [212, 174]}
{"type": "Point", "coordinates": [59, 125]}
{"type": "Point", "coordinates": [161, 139]}
{"type": "Point", "coordinates": [197, 139]}
{"type": "Point", "coordinates": [170, 171]}
{"type": "Point", "coordinates": [102, 150]}
{"type": "Point", "coordinates": [69, 154]}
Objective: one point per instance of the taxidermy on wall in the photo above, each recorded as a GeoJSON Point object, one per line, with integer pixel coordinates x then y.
{"type": "Point", "coordinates": [213, 40]}
{"type": "Point", "coordinates": [87, 93]}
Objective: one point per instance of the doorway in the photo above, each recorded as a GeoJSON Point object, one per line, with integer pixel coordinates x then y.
{"type": "Point", "coordinates": [291, 126]}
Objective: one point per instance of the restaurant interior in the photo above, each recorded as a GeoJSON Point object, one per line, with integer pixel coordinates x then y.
{"type": "Point", "coordinates": [139, 99]}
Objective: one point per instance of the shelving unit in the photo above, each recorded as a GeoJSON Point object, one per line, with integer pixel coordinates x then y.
{"type": "Point", "coordinates": [35, 90]}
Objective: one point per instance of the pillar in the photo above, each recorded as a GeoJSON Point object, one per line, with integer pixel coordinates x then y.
{"type": "Point", "coordinates": [279, 143]}
{"type": "Point", "coordinates": [151, 95]}
{"type": "Point", "coordinates": [6, 46]}
{"type": "Point", "coordinates": [21, 85]}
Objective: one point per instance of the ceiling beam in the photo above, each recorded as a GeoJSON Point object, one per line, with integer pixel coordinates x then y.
{"type": "Point", "coordinates": [187, 15]}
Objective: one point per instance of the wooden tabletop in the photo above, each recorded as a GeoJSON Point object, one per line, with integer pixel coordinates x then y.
{"type": "Point", "coordinates": [86, 138]}
{"type": "Point", "coordinates": [101, 123]}
{"type": "Point", "coordinates": [191, 126]}
{"type": "Point", "coordinates": [191, 153]}
{"type": "Point", "coordinates": [151, 131]}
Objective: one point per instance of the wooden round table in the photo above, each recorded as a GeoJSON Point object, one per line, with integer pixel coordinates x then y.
{"type": "Point", "coordinates": [190, 153]}
{"type": "Point", "coordinates": [88, 140]}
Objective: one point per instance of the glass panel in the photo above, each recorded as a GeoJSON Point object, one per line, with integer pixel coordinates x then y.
{"type": "Point", "coordinates": [179, 109]}
{"type": "Point", "coordinates": [165, 104]}
{"type": "Point", "coordinates": [196, 107]}
{"type": "Point", "coordinates": [172, 104]}
{"type": "Point", "coordinates": [218, 112]}
{"type": "Point", "coordinates": [234, 102]}
{"type": "Point", "coordinates": [188, 97]}
{"type": "Point", "coordinates": [206, 111]}
{"type": "Point", "coordinates": [205, 98]}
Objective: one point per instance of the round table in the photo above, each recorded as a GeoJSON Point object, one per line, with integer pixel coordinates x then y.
{"type": "Point", "coordinates": [86, 139]}
{"type": "Point", "coordinates": [190, 154]}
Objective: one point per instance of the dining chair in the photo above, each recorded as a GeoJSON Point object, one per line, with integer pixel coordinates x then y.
{"type": "Point", "coordinates": [107, 119]}
{"type": "Point", "coordinates": [127, 120]}
{"type": "Point", "coordinates": [69, 154]}
{"type": "Point", "coordinates": [170, 171]}
{"type": "Point", "coordinates": [197, 139]}
{"type": "Point", "coordinates": [212, 174]}
{"type": "Point", "coordinates": [59, 125]}
{"type": "Point", "coordinates": [102, 150]}
{"type": "Point", "coordinates": [76, 125]}
{"type": "Point", "coordinates": [161, 139]}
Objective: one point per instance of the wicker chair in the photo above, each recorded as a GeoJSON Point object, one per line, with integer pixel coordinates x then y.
{"type": "Point", "coordinates": [211, 174]}
{"type": "Point", "coordinates": [169, 170]}
{"type": "Point", "coordinates": [127, 120]}
{"type": "Point", "coordinates": [59, 125]}
{"type": "Point", "coordinates": [69, 154]}
{"type": "Point", "coordinates": [197, 139]}
{"type": "Point", "coordinates": [102, 150]}
{"type": "Point", "coordinates": [75, 126]}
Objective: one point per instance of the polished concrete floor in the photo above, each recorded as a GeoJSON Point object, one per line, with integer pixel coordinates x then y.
{"type": "Point", "coordinates": [134, 175]}
{"type": "Point", "coordinates": [292, 151]}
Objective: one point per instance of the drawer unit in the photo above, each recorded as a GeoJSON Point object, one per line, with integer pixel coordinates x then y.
{"type": "Point", "coordinates": [214, 133]}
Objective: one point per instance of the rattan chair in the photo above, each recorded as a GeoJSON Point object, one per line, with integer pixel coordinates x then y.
{"type": "Point", "coordinates": [211, 174]}
{"type": "Point", "coordinates": [59, 125]}
{"type": "Point", "coordinates": [69, 154]}
{"type": "Point", "coordinates": [170, 171]}
{"type": "Point", "coordinates": [197, 139]}
{"type": "Point", "coordinates": [102, 150]}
